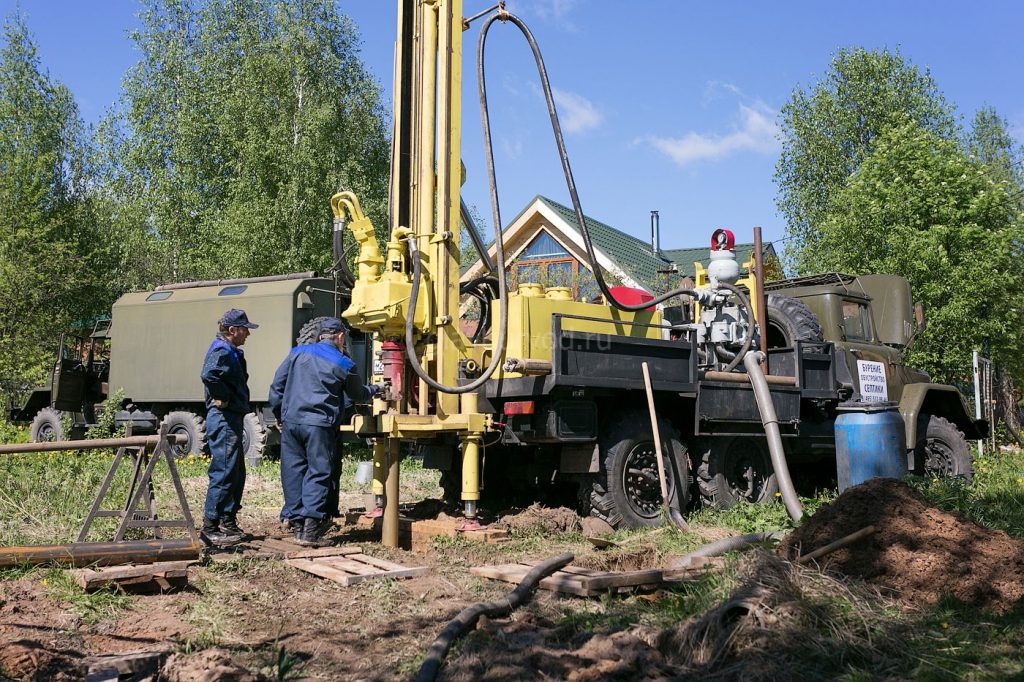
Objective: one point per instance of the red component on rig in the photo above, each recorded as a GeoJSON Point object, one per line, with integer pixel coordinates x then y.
{"type": "Point", "coordinates": [723, 240]}
{"type": "Point", "coordinates": [392, 356]}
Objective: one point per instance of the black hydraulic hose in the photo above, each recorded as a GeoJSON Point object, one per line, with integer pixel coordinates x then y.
{"type": "Point", "coordinates": [563, 155]}
{"type": "Point", "coordinates": [499, 348]}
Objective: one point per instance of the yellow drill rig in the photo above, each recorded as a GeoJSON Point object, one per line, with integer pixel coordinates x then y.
{"type": "Point", "coordinates": [553, 368]}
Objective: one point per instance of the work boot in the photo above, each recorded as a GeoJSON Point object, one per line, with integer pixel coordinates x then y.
{"type": "Point", "coordinates": [313, 532]}
{"type": "Point", "coordinates": [229, 526]}
{"type": "Point", "coordinates": [295, 527]}
{"type": "Point", "coordinates": [213, 535]}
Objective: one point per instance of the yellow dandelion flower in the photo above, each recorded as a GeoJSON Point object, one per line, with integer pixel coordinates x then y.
{"type": "Point", "coordinates": [945, 626]}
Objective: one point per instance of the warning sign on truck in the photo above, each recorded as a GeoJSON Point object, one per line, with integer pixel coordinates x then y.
{"type": "Point", "coordinates": [873, 388]}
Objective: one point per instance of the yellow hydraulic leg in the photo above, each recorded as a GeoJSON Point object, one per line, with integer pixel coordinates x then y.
{"type": "Point", "coordinates": [389, 532]}
{"type": "Point", "coordinates": [379, 474]}
{"type": "Point", "coordinates": [470, 479]}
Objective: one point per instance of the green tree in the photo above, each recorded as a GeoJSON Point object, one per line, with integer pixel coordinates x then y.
{"type": "Point", "coordinates": [240, 121]}
{"type": "Point", "coordinates": [828, 129]}
{"type": "Point", "coordinates": [921, 207]}
{"type": "Point", "coordinates": [51, 259]}
{"type": "Point", "coordinates": [990, 142]}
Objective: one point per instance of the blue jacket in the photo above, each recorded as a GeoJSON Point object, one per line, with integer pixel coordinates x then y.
{"type": "Point", "coordinates": [225, 376]}
{"type": "Point", "coordinates": [311, 385]}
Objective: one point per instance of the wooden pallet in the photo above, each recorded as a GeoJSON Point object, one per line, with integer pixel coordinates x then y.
{"type": "Point", "coordinates": [582, 582]}
{"type": "Point", "coordinates": [159, 576]}
{"type": "Point", "coordinates": [348, 565]}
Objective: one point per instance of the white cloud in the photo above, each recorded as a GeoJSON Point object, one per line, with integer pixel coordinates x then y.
{"type": "Point", "coordinates": [554, 11]}
{"type": "Point", "coordinates": [755, 131]}
{"type": "Point", "coordinates": [576, 113]}
{"type": "Point", "coordinates": [512, 148]}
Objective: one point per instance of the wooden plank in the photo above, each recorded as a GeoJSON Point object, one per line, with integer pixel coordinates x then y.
{"type": "Point", "coordinates": [88, 578]}
{"type": "Point", "coordinates": [379, 563]}
{"type": "Point", "coordinates": [276, 544]}
{"type": "Point", "coordinates": [322, 552]}
{"type": "Point", "coordinates": [574, 580]}
{"type": "Point", "coordinates": [351, 566]}
{"type": "Point", "coordinates": [323, 570]}
{"type": "Point", "coordinates": [390, 570]}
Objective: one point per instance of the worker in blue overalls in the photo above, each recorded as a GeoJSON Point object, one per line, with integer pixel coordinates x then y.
{"type": "Point", "coordinates": [308, 398]}
{"type": "Point", "coordinates": [225, 382]}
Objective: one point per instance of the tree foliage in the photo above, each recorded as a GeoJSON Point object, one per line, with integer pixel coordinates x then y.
{"type": "Point", "coordinates": [919, 206]}
{"type": "Point", "coordinates": [50, 251]}
{"type": "Point", "coordinates": [240, 121]}
{"type": "Point", "coordinates": [829, 129]}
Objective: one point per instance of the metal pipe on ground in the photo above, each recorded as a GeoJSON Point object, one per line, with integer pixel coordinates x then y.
{"type": "Point", "coordinates": [78, 554]}
{"type": "Point", "coordinates": [96, 444]}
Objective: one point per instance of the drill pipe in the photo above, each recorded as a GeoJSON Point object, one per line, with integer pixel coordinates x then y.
{"type": "Point", "coordinates": [57, 445]}
{"type": "Point", "coordinates": [79, 554]}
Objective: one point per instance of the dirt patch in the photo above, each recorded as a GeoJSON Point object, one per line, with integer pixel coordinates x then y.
{"type": "Point", "coordinates": [28, 659]}
{"type": "Point", "coordinates": [919, 553]}
{"type": "Point", "coordinates": [531, 647]}
{"type": "Point", "coordinates": [207, 666]}
{"type": "Point", "coordinates": [537, 519]}
{"type": "Point", "coordinates": [636, 559]}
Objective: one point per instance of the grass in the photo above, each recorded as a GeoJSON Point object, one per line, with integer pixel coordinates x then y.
{"type": "Point", "coordinates": [44, 497]}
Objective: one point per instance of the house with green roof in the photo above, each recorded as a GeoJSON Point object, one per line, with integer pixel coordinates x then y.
{"type": "Point", "coordinates": [544, 244]}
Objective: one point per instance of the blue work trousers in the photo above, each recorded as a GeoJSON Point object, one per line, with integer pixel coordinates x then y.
{"type": "Point", "coordinates": [227, 463]}
{"type": "Point", "coordinates": [307, 464]}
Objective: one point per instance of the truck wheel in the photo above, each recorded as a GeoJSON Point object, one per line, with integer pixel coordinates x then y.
{"type": "Point", "coordinates": [310, 332]}
{"type": "Point", "coordinates": [627, 492]}
{"type": "Point", "coordinates": [191, 425]}
{"type": "Point", "coordinates": [735, 469]}
{"type": "Point", "coordinates": [254, 439]}
{"type": "Point", "coordinates": [943, 451]}
{"type": "Point", "coordinates": [789, 321]}
{"type": "Point", "coordinates": [46, 426]}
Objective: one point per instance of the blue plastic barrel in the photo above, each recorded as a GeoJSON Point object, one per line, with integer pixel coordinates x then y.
{"type": "Point", "coordinates": [870, 443]}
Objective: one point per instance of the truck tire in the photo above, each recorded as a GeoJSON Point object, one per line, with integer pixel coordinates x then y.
{"type": "Point", "coordinates": [627, 492]}
{"type": "Point", "coordinates": [943, 451]}
{"type": "Point", "coordinates": [190, 424]}
{"type": "Point", "coordinates": [310, 332]}
{"type": "Point", "coordinates": [46, 426]}
{"type": "Point", "coordinates": [735, 469]}
{"type": "Point", "coordinates": [789, 321]}
{"type": "Point", "coordinates": [254, 439]}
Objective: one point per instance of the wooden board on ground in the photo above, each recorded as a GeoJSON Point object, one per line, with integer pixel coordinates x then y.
{"type": "Point", "coordinates": [256, 548]}
{"type": "Point", "coordinates": [417, 534]}
{"type": "Point", "coordinates": [163, 576]}
{"type": "Point", "coordinates": [582, 582]}
{"type": "Point", "coordinates": [348, 565]}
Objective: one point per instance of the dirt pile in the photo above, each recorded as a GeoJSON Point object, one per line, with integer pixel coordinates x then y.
{"type": "Point", "coordinates": [211, 665]}
{"type": "Point", "coordinates": [919, 554]}
{"type": "Point", "coordinates": [538, 519]}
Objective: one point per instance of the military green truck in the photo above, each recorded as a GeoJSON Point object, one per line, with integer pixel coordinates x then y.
{"type": "Point", "coordinates": [869, 321]}
{"type": "Point", "coordinates": [153, 349]}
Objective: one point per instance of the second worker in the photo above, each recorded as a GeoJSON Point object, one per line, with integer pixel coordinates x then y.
{"type": "Point", "coordinates": [306, 397]}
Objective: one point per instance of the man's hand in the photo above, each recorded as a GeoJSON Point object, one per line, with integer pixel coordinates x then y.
{"type": "Point", "coordinates": [378, 390]}
{"type": "Point", "coordinates": [220, 404]}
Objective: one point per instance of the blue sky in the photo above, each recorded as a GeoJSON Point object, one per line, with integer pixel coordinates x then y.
{"type": "Point", "coordinates": [667, 105]}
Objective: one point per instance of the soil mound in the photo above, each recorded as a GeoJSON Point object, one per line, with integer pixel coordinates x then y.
{"type": "Point", "coordinates": [538, 519]}
{"type": "Point", "coordinates": [210, 665]}
{"type": "Point", "coordinates": [919, 553]}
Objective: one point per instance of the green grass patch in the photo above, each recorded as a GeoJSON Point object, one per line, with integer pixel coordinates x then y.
{"type": "Point", "coordinates": [91, 607]}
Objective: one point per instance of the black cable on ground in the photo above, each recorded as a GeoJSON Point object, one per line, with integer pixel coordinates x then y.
{"type": "Point", "coordinates": [468, 617]}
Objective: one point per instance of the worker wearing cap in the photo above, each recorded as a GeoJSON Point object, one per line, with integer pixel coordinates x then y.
{"type": "Point", "coordinates": [225, 382]}
{"type": "Point", "coordinates": [308, 397]}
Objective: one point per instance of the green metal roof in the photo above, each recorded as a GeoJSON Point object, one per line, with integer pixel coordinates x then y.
{"type": "Point", "coordinates": [635, 256]}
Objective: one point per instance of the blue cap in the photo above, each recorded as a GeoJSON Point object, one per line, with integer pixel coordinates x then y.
{"type": "Point", "coordinates": [332, 325]}
{"type": "Point", "coordinates": [236, 318]}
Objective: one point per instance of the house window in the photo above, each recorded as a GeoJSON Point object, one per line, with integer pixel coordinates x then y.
{"type": "Point", "coordinates": [546, 262]}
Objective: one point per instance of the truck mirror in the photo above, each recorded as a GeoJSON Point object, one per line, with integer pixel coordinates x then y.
{"type": "Point", "coordinates": [919, 316]}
